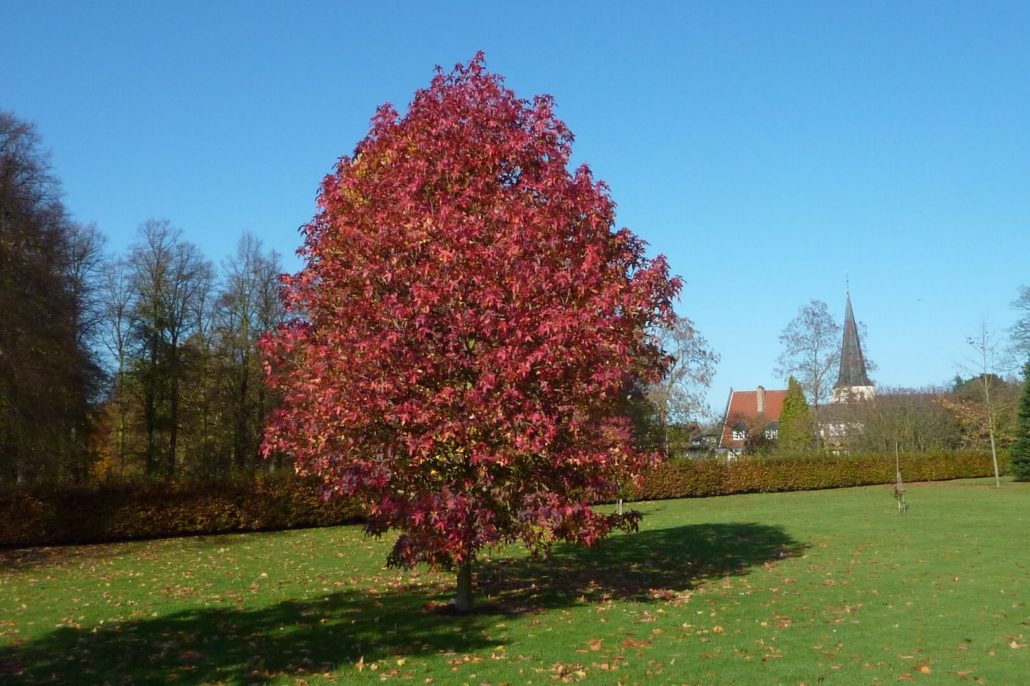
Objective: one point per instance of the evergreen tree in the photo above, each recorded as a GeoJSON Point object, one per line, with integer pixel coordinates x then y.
{"type": "Point", "coordinates": [1020, 465]}
{"type": "Point", "coordinates": [795, 433]}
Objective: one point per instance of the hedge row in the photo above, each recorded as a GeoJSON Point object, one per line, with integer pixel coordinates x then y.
{"type": "Point", "coordinates": [67, 514]}
{"type": "Point", "coordinates": [685, 478]}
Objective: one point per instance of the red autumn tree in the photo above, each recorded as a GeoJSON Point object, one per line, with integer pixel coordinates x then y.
{"type": "Point", "coordinates": [465, 328]}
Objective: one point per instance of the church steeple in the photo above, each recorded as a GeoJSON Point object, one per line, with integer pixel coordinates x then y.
{"type": "Point", "coordinates": [852, 381]}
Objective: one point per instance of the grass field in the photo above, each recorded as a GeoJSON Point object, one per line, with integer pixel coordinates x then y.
{"type": "Point", "coordinates": [827, 587]}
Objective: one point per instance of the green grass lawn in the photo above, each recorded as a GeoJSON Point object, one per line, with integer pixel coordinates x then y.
{"type": "Point", "coordinates": [827, 587]}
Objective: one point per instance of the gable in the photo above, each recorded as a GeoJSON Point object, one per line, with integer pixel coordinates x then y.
{"type": "Point", "coordinates": [747, 407]}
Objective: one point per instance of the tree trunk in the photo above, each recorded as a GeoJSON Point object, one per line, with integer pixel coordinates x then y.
{"type": "Point", "coordinates": [173, 437]}
{"type": "Point", "coordinates": [240, 442]}
{"type": "Point", "coordinates": [121, 416]}
{"type": "Point", "coordinates": [985, 348]}
{"type": "Point", "coordinates": [150, 410]}
{"type": "Point", "coordinates": [463, 593]}
{"type": "Point", "coordinates": [994, 453]}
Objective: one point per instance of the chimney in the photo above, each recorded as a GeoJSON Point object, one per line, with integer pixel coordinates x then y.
{"type": "Point", "coordinates": [760, 399]}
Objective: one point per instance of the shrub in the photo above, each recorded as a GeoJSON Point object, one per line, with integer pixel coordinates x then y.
{"type": "Point", "coordinates": [122, 511]}
{"type": "Point", "coordinates": [684, 478]}
{"type": "Point", "coordinates": [135, 510]}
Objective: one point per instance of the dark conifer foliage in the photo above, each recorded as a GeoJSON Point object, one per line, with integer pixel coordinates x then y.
{"type": "Point", "coordinates": [1020, 451]}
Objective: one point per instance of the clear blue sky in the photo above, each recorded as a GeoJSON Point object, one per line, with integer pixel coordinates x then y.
{"type": "Point", "coordinates": [765, 147]}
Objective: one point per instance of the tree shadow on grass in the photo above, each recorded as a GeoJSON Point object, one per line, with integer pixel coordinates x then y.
{"type": "Point", "coordinates": [17, 559]}
{"type": "Point", "coordinates": [643, 566]}
{"type": "Point", "coordinates": [253, 646]}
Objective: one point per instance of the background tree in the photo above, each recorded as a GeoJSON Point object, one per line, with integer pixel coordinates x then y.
{"type": "Point", "coordinates": [965, 403]}
{"type": "Point", "coordinates": [1020, 450]}
{"type": "Point", "coordinates": [199, 416]}
{"type": "Point", "coordinates": [680, 396]}
{"type": "Point", "coordinates": [795, 430]}
{"type": "Point", "coordinates": [83, 277]}
{"type": "Point", "coordinates": [912, 420]}
{"type": "Point", "coordinates": [637, 407]}
{"type": "Point", "coordinates": [811, 352]}
{"type": "Point", "coordinates": [85, 273]}
{"type": "Point", "coordinates": [468, 321]}
{"type": "Point", "coordinates": [182, 349]}
{"type": "Point", "coordinates": [47, 373]}
{"type": "Point", "coordinates": [983, 344]}
{"type": "Point", "coordinates": [169, 278]}
{"type": "Point", "coordinates": [117, 326]}
{"type": "Point", "coordinates": [248, 307]}
{"type": "Point", "coordinates": [1019, 334]}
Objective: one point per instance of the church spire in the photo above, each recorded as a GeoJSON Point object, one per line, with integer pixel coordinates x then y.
{"type": "Point", "coordinates": [852, 380]}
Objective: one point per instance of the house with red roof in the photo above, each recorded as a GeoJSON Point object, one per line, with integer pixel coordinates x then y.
{"type": "Point", "coordinates": [748, 412]}
{"type": "Point", "coordinates": [753, 417]}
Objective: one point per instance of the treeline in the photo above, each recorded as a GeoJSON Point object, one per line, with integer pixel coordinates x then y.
{"type": "Point", "coordinates": [143, 364]}
{"type": "Point", "coordinates": [186, 396]}
{"type": "Point", "coordinates": [939, 419]}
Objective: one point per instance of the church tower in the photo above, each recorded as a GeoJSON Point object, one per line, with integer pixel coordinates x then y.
{"type": "Point", "coordinates": [852, 383]}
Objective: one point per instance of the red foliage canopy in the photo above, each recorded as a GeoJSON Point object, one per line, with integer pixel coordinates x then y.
{"type": "Point", "coordinates": [466, 324]}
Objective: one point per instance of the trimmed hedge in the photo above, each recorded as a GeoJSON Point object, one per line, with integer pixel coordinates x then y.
{"type": "Point", "coordinates": [686, 478]}
{"type": "Point", "coordinates": [102, 513]}
{"type": "Point", "coordinates": [115, 512]}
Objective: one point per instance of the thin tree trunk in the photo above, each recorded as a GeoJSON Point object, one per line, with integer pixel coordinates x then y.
{"type": "Point", "coordinates": [242, 455]}
{"type": "Point", "coordinates": [463, 593]}
{"type": "Point", "coordinates": [173, 437]}
{"type": "Point", "coordinates": [202, 382]}
{"type": "Point", "coordinates": [990, 427]}
{"type": "Point", "coordinates": [817, 429]}
{"type": "Point", "coordinates": [121, 416]}
{"type": "Point", "coordinates": [994, 457]}
{"type": "Point", "coordinates": [150, 410]}
{"type": "Point", "coordinates": [279, 463]}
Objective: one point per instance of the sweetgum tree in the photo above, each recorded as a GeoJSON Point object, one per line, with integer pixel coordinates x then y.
{"type": "Point", "coordinates": [465, 329]}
